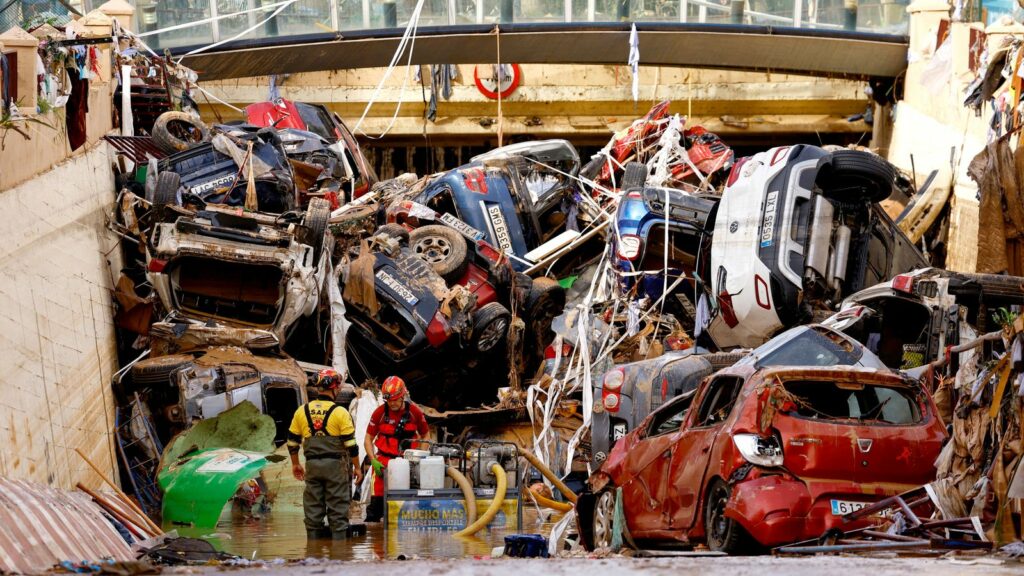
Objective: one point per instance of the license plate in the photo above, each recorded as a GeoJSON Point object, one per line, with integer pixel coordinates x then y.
{"type": "Point", "coordinates": [844, 507]}
{"type": "Point", "coordinates": [463, 228]}
{"type": "Point", "coordinates": [618, 431]}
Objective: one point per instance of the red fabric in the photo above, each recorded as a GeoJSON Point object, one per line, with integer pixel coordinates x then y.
{"type": "Point", "coordinates": [384, 423]}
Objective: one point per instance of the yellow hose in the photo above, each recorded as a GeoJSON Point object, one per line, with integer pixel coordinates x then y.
{"type": "Point", "coordinates": [492, 510]}
{"type": "Point", "coordinates": [546, 502]}
{"type": "Point", "coordinates": [569, 494]}
{"type": "Point", "coordinates": [467, 493]}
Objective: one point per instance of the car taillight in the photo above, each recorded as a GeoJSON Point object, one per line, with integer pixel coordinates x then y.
{"type": "Point", "coordinates": [156, 265]}
{"type": "Point", "coordinates": [437, 330]}
{"type": "Point", "coordinates": [488, 251]}
{"type": "Point", "coordinates": [550, 353]}
{"type": "Point", "coordinates": [611, 402]}
{"type": "Point", "coordinates": [759, 450]}
{"type": "Point", "coordinates": [634, 195]}
{"type": "Point", "coordinates": [613, 380]}
{"type": "Point", "coordinates": [725, 300]}
{"type": "Point", "coordinates": [629, 246]}
{"type": "Point", "coordinates": [734, 174]}
{"type": "Point", "coordinates": [903, 283]}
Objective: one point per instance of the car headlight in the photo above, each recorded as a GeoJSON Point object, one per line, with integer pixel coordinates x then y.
{"type": "Point", "coordinates": [759, 450]}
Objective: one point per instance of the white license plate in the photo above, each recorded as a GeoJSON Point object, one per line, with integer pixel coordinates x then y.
{"type": "Point", "coordinates": [463, 228]}
{"type": "Point", "coordinates": [618, 431]}
{"type": "Point", "coordinates": [844, 507]}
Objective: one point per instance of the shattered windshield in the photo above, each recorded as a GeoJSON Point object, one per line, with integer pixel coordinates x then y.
{"type": "Point", "coordinates": [830, 400]}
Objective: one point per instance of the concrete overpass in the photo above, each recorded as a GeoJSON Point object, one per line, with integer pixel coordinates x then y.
{"type": "Point", "coordinates": [764, 48]}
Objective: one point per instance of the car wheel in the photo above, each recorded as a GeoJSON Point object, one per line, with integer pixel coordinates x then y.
{"type": "Point", "coordinates": [158, 370]}
{"type": "Point", "coordinates": [178, 131]}
{"type": "Point", "coordinates": [604, 515]}
{"type": "Point", "coordinates": [724, 534]}
{"type": "Point", "coordinates": [166, 191]}
{"type": "Point", "coordinates": [634, 176]}
{"type": "Point", "coordinates": [855, 176]}
{"type": "Point", "coordinates": [545, 301]}
{"type": "Point", "coordinates": [490, 325]}
{"type": "Point", "coordinates": [443, 248]}
{"type": "Point", "coordinates": [318, 212]}
{"type": "Point", "coordinates": [396, 231]}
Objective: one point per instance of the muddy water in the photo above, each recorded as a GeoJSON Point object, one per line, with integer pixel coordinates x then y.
{"type": "Point", "coordinates": [282, 534]}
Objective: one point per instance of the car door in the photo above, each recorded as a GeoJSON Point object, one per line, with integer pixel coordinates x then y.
{"type": "Point", "coordinates": [691, 453]}
{"type": "Point", "coordinates": [645, 494]}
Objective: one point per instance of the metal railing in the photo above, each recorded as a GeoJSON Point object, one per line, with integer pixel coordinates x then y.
{"type": "Point", "coordinates": [217, 20]}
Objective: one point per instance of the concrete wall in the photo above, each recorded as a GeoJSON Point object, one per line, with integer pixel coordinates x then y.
{"type": "Point", "coordinates": [57, 347]}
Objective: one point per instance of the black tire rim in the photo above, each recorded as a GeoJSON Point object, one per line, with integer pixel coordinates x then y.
{"type": "Point", "coordinates": [492, 334]}
{"type": "Point", "coordinates": [434, 249]}
{"type": "Point", "coordinates": [604, 511]}
{"type": "Point", "coordinates": [718, 524]}
{"type": "Point", "coordinates": [185, 131]}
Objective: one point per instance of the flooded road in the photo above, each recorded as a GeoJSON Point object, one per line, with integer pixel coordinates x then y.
{"type": "Point", "coordinates": [282, 534]}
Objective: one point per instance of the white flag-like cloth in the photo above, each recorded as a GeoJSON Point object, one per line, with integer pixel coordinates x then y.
{"type": "Point", "coordinates": [634, 61]}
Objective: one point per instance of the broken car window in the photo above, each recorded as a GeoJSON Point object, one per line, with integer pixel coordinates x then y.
{"type": "Point", "coordinates": [831, 400]}
{"type": "Point", "coordinates": [719, 400]}
{"type": "Point", "coordinates": [671, 417]}
{"type": "Point", "coordinates": [810, 348]}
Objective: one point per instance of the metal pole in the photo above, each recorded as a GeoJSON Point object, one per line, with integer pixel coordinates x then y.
{"type": "Point", "coordinates": [506, 14]}
{"type": "Point", "coordinates": [591, 10]}
{"type": "Point", "coordinates": [798, 13]}
{"type": "Point", "coordinates": [215, 25]}
{"type": "Point", "coordinates": [452, 12]}
{"type": "Point", "coordinates": [390, 10]}
{"type": "Point", "coordinates": [702, 14]}
{"type": "Point", "coordinates": [568, 10]}
{"type": "Point", "coordinates": [335, 17]}
{"type": "Point", "coordinates": [252, 12]}
{"type": "Point", "coordinates": [684, 8]}
{"type": "Point", "coordinates": [736, 11]}
{"type": "Point", "coordinates": [850, 14]}
{"type": "Point", "coordinates": [366, 14]}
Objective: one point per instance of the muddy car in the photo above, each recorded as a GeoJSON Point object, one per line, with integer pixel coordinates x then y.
{"type": "Point", "coordinates": [797, 229]}
{"type": "Point", "coordinates": [239, 270]}
{"type": "Point", "coordinates": [761, 456]}
{"type": "Point", "coordinates": [910, 320]}
{"type": "Point", "coordinates": [428, 309]}
{"type": "Point", "coordinates": [183, 388]}
{"type": "Point", "coordinates": [210, 171]}
{"type": "Point", "coordinates": [285, 114]}
{"type": "Point", "coordinates": [629, 392]}
{"type": "Point", "coordinates": [518, 196]}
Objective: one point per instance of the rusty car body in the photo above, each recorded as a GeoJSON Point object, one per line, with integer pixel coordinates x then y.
{"type": "Point", "coordinates": [760, 456]}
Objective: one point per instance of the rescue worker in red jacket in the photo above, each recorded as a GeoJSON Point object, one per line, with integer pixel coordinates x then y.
{"type": "Point", "coordinates": [326, 434]}
{"type": "Point", "coordinates": [395, 421]}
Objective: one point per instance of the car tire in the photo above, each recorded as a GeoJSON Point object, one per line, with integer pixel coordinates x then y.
{"type": "Point", "coordinates": [158, 370]}
{"type": "Point", "coordinates": [855, 176]}
{"type": "Point", "coordinates": [317, 213]}
{"type": "Point", "coordinates": [396, 231]}
{"type": "Point", "coordinates": [723, 534]}
{"type": "Point", "coordinates": [634, 176]}
{"type": "Point", "coordinates": [603, 520]}
{"type": "Point", "coordinates": [443, 248]}
{"type": "Point", "coordinates": [166, 191]}
{"type": "Point", "coordinates": [545, 301]}
{"type": "Point", "coordinates": [178, 131]}
{"type": "Point", "coordinates": [490, 325]}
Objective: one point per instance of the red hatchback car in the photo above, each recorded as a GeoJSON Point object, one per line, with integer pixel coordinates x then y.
{"type": "Point", "coordinates": [757, 457]}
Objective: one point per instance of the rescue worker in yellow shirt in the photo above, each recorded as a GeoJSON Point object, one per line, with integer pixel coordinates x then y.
{"type": "Point", "coordinates": [326, 434]}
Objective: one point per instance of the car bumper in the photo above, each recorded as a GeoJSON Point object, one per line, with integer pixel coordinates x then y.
{"type": "Point", "coordinates": [778, 510]}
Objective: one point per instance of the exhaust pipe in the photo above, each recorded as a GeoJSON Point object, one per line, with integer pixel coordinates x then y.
{"type": "Point", "coordinates": [821, 234]}
{"type": "Point", "coordinates": [840, 256]}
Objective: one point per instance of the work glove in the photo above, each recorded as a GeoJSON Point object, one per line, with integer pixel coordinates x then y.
{"type": "Point", "coordinates": [378, 467]}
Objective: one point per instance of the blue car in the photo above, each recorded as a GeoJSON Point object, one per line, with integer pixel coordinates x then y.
{"type": "Point", "coordinates": [519, 196]}
{"type": "Point", "coordinates": [640, 238]}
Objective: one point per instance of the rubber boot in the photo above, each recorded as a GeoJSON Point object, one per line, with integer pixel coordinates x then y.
{"type": "Point", "coordinates": [339, 536]}
{"type": "Point", "coordinates": [375, 510]}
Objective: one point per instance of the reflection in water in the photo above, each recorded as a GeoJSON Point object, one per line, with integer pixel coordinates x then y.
{"type": "Point", "coordinates": [282, 534]}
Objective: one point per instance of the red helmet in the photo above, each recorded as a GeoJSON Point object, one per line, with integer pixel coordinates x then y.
{"type": "Point", "coordinates": [328, 379]}
{"type": "Point", "coordinates": [393, 388]}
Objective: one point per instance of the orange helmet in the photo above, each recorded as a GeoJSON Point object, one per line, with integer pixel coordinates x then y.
{"type": "Point", "coordinates": [328, 379]}
{"type": "Point", "coordinates": [393, 388]}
